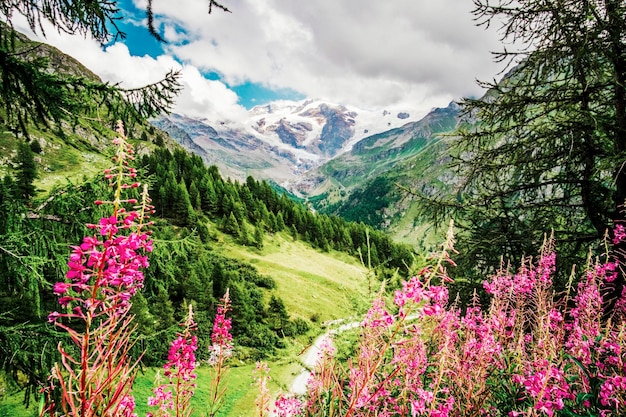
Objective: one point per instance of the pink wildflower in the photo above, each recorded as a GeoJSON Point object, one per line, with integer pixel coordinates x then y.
{"type": "Point", "coordinates": [377, 315]}
{"type": "Point", "coordinates": [619, 233]}
{"type": "Point", "coordinates": [262, 377]}
{"type": "Point", "coordinates": [162, 399]}
{"type": "Point", "coordinates": [288, 406]}
{"type": "Point", "coordinates": [547, 385]}
{"type": "Point", "coordinates": [61, 288]}
{"type": "Point", "coordinates": [176, 394]}
{"type": "Point", "coordinates": [613, 392]}
{"type": "Point", "coordinates": [108, 226]}
{"type": "Point", "coordinates": [181, 358]}
{"type": "Point", "coordinates": [423, 400]}
{"type": "Point", "coordinates": [126, 407]}
{"type": "Point", "coordinates": [411, 291]}
{"type": "Point", "coordinates": [221, 337]}
{"type": "Point", "coordinates": [102, 281]}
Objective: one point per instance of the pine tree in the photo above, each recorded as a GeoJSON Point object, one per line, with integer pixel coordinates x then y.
{"type": "Point", "coordinates": [278, 316]}
{"type": "Point", "coordinates": [280, 222]}
{"type": "Point", "coordinates": [26, 172]}
{"type": "Point", "coordinates": [220, 280]}
{"type": "Point", "coordinates": [194, 196]}
{"type": "Point", "coordinates": [259, 235]}
{"type": "Point", "coordinates": [182, 211]}
{"type": "Point", "coordinates": [30, 92]}
{"type": "Point", "coordinates": [547, 149]}
{"type": "Point", "coordinates": [230, 225]}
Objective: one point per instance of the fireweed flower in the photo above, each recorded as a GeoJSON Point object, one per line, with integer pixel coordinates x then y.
{"type": "Point", "coordinates": [378, 316]}
{"type": "Point", "coordinates": [619, 233]}
{"type": "Point", "coordinates": [162, 399]}
{"type": "Point", "coordinates": [613, 392]}
{"type": "Point", "coordinates": [288, 407]}
{"type": "Point", "coordinates": [547, 385]}
{"type": "Point", "coordinates": [530, 351]}
{"type": "Point", "coordinates": [221, 338]}
{"type": "Point", "coordinates": [220, 350]}
{"type": "Point", "coordinates": [180, 370]}
{"type": "Point", "coordinates": [261, 375]}
{"type": "Point", "coordinates": [104, 271]}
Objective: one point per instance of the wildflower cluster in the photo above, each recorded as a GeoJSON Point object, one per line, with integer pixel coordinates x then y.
{"type": "Point", "coordinates": [95, 377]}
{"type": "Point", "coordinates": [105, 271]}
{"type": "Point", "coordinates": [529, 353]}
{"type": "Point", "coordinates": [175, 396]}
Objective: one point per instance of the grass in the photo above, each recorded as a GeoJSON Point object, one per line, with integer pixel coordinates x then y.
{"type": "Point", "coordinates": [314, 285]}
{"type": "Point", "coordinates": [11, 405]}
{"type": "Point", "coordinates": [240, 395]}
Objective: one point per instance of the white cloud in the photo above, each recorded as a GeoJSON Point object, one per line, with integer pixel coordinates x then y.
{"type": "Point", "coordinates": [362, 52]}
{"type": "Point", "coordinates": [367, 53]}
{"type": "Point", "coordinates": [202, 97]}
{"type": "Point", "coordinates": [199, 96]}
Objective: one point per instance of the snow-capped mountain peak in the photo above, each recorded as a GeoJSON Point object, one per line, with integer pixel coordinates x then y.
{"type": "Point", "coordinates": [283, 139]}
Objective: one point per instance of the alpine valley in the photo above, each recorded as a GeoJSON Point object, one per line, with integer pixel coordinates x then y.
{"type": "Point", "coordinates": [331, 155]}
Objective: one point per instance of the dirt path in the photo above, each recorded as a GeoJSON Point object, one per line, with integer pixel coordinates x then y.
{"type": "Point", "coordinates": [311, 355]}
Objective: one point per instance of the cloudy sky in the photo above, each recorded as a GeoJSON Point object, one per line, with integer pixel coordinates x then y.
{"type": "Point", "coordinates": [372, 54]}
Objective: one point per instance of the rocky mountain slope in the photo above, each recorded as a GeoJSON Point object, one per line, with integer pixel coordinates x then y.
{"type": "Point", "coordinates": [379, 154]}
{"type": "Point", "coordinates": [283, 140]}
{"type": "Point", "coordinates": [370, 182]}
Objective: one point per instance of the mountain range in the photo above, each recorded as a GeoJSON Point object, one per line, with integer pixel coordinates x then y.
{"type": "Point", "coordinates": [343, 160]}
{"type": "Point", "coordinates": [281, 141]}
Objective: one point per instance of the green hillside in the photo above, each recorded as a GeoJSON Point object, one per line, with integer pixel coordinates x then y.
{"type": "Point", "coordinates": [373, 182]}
{"type": "Point", "coordinates": [288, 269]}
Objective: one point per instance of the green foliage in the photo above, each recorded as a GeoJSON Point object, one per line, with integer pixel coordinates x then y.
{"type": "Point", "coordinates": [259, 235]}
{"type": "Point", "coordinates": [31, 92]}
{"type": "Point", "coordinates": [257, 203]}
{"type": "Point", "coordinates": [367, 204]}
{"type": "Point", "coordinates": [231, 225]}
{"type": "Point", "coordinates": [544, 149]}
{"type": "Point", "coordinates": [26, 172]}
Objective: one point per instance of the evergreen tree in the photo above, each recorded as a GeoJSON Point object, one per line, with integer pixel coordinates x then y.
{"type": "Point", "coordinates": [259, 235]}
{"type": "Point", "coordinates": [548, 148]}
{"type": "Point", "coordinates": [31, 92]}
{"type": "Point", "coordinates": [373, 255]}
{"type": "Point", "coordinates": [208, 197]}
{"type": "Point", "coordinates": [182, 211]}
{"type": "Point", "coordinates": [194, 195]}
{"type": "Point", "coordinates": [280, 222]}
{"type": "Point", "coordinates": [26, 172]}
{"type": "Point", "coordinates": [244, 237]}
{"type": "Point", "coordinates": [162, 310]}
{"type": "Point", "coordinates": [277, 312]}
{"type": "Point", "coordinates": [220, 281]}
{"type": "Point", "coordinates": [231, 226]}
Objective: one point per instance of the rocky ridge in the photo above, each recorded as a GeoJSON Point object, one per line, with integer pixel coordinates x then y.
{"type": "Point", "coordinates": [282, 140]}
